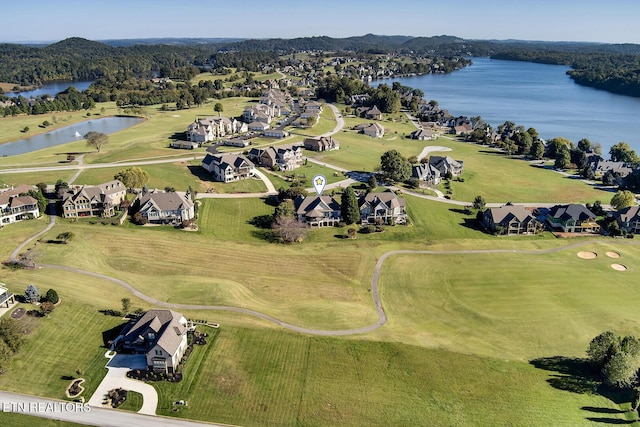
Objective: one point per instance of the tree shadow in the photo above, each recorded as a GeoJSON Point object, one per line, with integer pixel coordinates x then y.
{"type": "Point", "coordinates": [577, 375]}
{"type": "Point", "coordinates": [263, 222]}
{"type": "Point", "coordinates": [461, 211]}
{"type": "Point", "coordinates": [472, 224]}
{"type": "Point", "coordinates": [111, 334]}
{"type": "Point", "coordinates": [180, 136]}
{"type": "Point", "coordinates": [200, 173]}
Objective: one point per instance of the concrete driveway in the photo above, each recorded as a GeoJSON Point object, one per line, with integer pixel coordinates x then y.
{"type": "Point", "coordinates": [118, 366]}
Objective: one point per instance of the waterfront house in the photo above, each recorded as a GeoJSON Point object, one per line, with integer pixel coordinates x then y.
{"type": "Point", "coordinates": [93, 201]}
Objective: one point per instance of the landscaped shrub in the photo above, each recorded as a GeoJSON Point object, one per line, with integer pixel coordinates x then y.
{"type": "Point", "coordinates": [52, 296]}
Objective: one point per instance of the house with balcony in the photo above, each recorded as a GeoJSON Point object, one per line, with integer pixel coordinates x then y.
{"type": "Point", "coordinates": [382, 208]}
{"type": "Point", "coordinates": [228, 167]}
{"type": "Point", "coordinates": [510, 220]}
{"type": "Point", "coordinates": [16, 206]}
{"type": "Point", "coordinates": [165, 207]}
{"type": "Point", "coordinates": [318, 211]}
{"type": "Point", "coordinates": [7, 298]}
{"type": "Point", "coordinates": [161, 335]}
{"type": "Point", "coordinates": [286, 158]}
{"type": "Point", "coordinates": [93, 201]}
{"type": "Point", "coordinates": [573, 218]}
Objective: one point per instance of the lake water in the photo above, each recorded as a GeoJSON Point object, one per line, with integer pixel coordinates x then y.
{"type": "Point", "coordinates": [67, 134]}
{"type": "Point", "coordinates": [533, 95]}
{"type": "Point", "coordinates": [51, 88]}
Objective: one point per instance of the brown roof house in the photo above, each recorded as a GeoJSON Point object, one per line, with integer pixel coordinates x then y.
{"type": "Point", "coordinates": [161, 335]}
{"type": "Point", "coordinates": [285, 158]}
{"type": "Point", "coordinates": [14, 207]}
{"type": "Point", "coordinates": [318, 211]}
{"type": "Point", "coordinates": [160, 207]}
{"type": "Point", "coordinates": [93, 201]}
{"type": "Point", "coordinates": [382, 208]}
{"type": "Point", "coordinates": [573, 218]}
{"type": "Point", "coordinates": [321, 143]}
{"type": "Point", "coordinates": [510, 220]}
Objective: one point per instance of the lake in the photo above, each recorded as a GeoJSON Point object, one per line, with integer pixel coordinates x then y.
{"type": "Point", "coordinates": [51, 88]}
{"type": "Point", "coordinates": [533, 95]}
{"type": "Point", "coordinates": [67, 134]}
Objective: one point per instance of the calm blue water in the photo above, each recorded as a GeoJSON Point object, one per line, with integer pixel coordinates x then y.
{"type": "Point", "coordinates": [67, 134]}
{"type": "Point", "coordinates": [533, 95]}
{"type": "Point", "coordinates": [51, 88]}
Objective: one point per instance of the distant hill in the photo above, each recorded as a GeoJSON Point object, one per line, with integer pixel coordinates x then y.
{"type": "Point", "coordinates": [173, 41]}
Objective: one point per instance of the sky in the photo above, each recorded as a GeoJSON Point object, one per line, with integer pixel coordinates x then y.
{"type": "Point", "coordinates": [613, 21]}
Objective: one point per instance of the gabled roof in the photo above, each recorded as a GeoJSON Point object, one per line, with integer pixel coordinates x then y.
{"type": "Point", "coordinates": [164, 323]}
{"type": "Point", "coordinates": [316, 206]}
{"type": "Point", "coordinates": [627, 215]}
{"type": "Point", "coordinates": [6, 195]}
{"type": "Point", "coordinates": [424, 170]}
{"type": "Point", "coordinates": [100, 193]}
{"type": "Point", "coordinates": [507, 213]}
{"type": "Point", "coordinates": [388, 199]}
{"type": "Point", "coordinates": [574, 211]}
{"type": "Point", "coordinates": [164, 201]}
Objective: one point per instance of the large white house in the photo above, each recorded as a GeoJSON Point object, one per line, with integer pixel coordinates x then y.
{"type": "Point", "coordinates": [210, 128]}
{"type": "Point", "coordinates": [14, 207]}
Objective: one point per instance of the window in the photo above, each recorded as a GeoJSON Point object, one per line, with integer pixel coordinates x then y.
{"type": "Point", "coordinates": [158, 352]}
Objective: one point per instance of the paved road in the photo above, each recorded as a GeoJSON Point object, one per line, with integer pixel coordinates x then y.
{"type": "Point", "coordinates": [67, 411]}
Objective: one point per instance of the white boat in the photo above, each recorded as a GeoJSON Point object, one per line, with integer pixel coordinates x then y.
{"type": "Point", "coordinates": [78, 134]}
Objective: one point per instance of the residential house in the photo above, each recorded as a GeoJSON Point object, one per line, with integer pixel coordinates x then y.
{"type": "Point", "coordinates": [423, 134]}
{"type": "Point", "coordinates": [185, 145]}
{"type": "Point", "coordinates": [318, 211]}
{"type": "Point", "coordinates": [286, 158]}
{"type": "Point", "coordinates": [573, 218]}
{"type": "Point", "coordinates": [276, 133]}
{"type": "Point", "coordinates": [426, 173]}
{"type": "Point", "coordinates": [601, 167]}
{"type": "Point", "coordinates": [447, 165]}
{"type": "Point", "coordinates": [210, 128]}
{"type": "Point", "coordinates": [463, 129]}
{"type": "Point", "coordinates": [510, 220]}
{"type": "Point", "coordinates": [321, 143]}
{"type": "Point", "coordinates": [374, 130]}
{"type": "Point", "coordinates": [161, 335]}
{"type": "Point", "coordinates": [16, 206]}
{"type": "Point", "coordinates": [629, 219]}
{"type": "Point", "coordinates": [7, 298]}
{"type": "Point", "coordinates": [382, 208]}
{"type": "Point", "coordinates": [258, 126]}
{"type": "Point", "coordinates": [372, 113]}
{"type": "Point", "coordinates": [228, 167]}
{"type": "Point", "coordinates": [160, 207]}
{"type": "Point", "coordinates": [93, 201]}
{"type": "Point", "coordinates": [233, 142]}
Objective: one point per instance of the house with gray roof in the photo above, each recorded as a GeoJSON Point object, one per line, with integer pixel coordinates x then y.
{"type": "Point", "coordinates": [93, 201]}
{"type": "Point", "coordinates": [446, 164]}
{"type": "Point", "coordinates": [318, 211]}
{"type": "Point", "coordinates": [629, 219]}
{"type": "Point", "coordinates": [423, 135]}
{"type": "Point", "coordinates": [573, 218]}
{"type": "Point", "coordinates": [160, 207]}
{"type": "Point", "coordinates": [161, 335]}
{"type": "Point", "coordinates": [228, 167]}
{"type": "Point", "coordinates": [427, 174]}
{"type": "Point", "coordinates": [510, 220]}
{"type": "Point", "coordinates": [286, 158]}
{"type": "Point", "coordinates": [321, 143]}
{"type": "Point", "coordinates": [382, 208]}
{"type": "Point", "coordinates": [374, 130]}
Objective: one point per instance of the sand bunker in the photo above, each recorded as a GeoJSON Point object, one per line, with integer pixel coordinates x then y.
{"type": "Point", "coordinates": [587, 255]}
{"type": "Point", "coordinates": [613, 254]}
{"type": "Point", "coordinates": [619, 267]}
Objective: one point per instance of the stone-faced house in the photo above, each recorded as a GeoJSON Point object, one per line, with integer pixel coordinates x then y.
{"type": "Point", "coordinates": [161, 335]}
{"type": "Point", "coordinates": [318, 211]}
{"type": "Point", "coordinates": [510, 220]}
{"type": "Point", "coordinates": [629, 219]}
{"type": "Point", "coordinates": [228, 167]}
{"type": "Point", "coordinates": [321, 143]}
{"type": "Point", "coordinates": [14, 207]}
{"type": "Point", "coordinates": [382, 208]}
{"type": "Point", "coordinates": [424, 172]}
{"type": "Point", "coordinates": [447, 165]}
{"type": "Point", "coordinates": [93, 201]}
{"type": "Point", "coordinates": [573, 218]}
{"type": "Point", "coordinates": [160, 207]}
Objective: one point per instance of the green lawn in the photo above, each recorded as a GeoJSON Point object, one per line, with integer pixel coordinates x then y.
{"type": "Point", "coordinates": [33, 178]}
{"type": "Point", "coordinates": [133, 402]}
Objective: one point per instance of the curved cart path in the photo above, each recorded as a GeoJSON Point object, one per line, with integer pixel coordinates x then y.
{"type": "Point", "coordinates": [375, 290]}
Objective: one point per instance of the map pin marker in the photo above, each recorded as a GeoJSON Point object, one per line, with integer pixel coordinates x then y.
{"type": "Point", "coordinates": [319, 183]}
